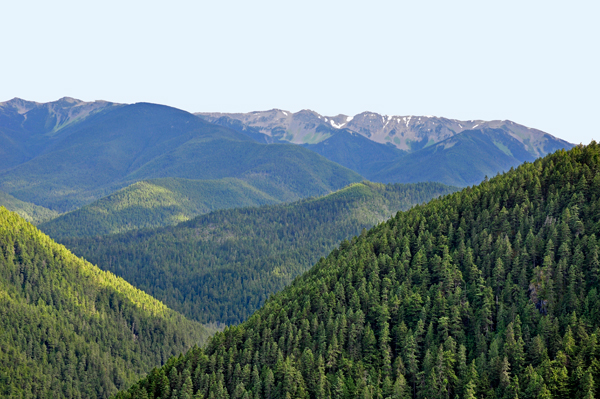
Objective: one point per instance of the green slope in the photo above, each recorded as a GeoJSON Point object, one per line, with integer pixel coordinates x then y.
{"type": "Point", "coordinates": [28, 211]}
{"type": "Point", "coordinates": [491, 292]}
{"type": "Point", "coordinates": [462, 160]}
{"type": "Point", "coordinates": [68, 329]}
{"type": "Point", "coordinates": [222, 266]}
{"type": "Point", "coordinates": [356, 152]}
{"type": "Point", "coordinates": [117, 146]}
{"type": "Point", "coordinates": [155, 203]}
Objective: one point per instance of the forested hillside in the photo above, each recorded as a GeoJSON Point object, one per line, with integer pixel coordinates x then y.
{"type": "Point", "coordinates": [28, 211]}
{"type": "Point", "coordinates": [155, 203]}
{"type": "Point", "coordinates": [70, 330]}
{"type": "Point", "coordinates": [222, 266]}
{"type": "Point", "coordinates": [489, 292]}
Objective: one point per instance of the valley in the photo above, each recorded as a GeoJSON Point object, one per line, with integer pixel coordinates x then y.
{"type": "Point", "coordinates": [147, 252]}
{"type": "Point", "coordinates": [488, 292]}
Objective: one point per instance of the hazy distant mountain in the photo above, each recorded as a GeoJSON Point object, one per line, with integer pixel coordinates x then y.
{"type": "Point", "coordinates": [376, 145]}
{"type": "Point", "coordinates": [27, 127]}
{"type": "Point", "coordinates": [464, 159]}
{"type": "Point", "coordinates": [94, 151]}
{"type": "Point", "coordinates": [407, 133]}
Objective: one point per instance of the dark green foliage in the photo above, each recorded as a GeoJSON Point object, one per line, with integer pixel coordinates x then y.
{"type": "Point", "coordinates": [70, 330]}
{"type": "Point", "coordinates": [118, 146]}
{"type": "Point", "coordinates": [489, 292]}
{"type": "Point", "coordinates": [222, 266]}
{"type": "Point", "coordinates": [155, 203]}
{"type": "Point", "coordinates": [464, 159]}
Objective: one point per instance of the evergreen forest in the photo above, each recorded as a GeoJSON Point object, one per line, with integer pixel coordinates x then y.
{"type": "Point", "coordinates": [490, 292]}
{"type": "Point", "coordinates": [71, 330]}
{"type": "Point", "coordinates": [222, 266]}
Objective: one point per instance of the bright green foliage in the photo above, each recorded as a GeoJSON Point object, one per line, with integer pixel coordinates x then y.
{"type": "Point", "coordinates": [68, 329]}
{"type": "Point", "coordinates": [30, 212]}
{"type": "Point", "coordinates": [489, 292]}
{"type": "Point", "coordinates": [155, 203]}
{"type": "Point", "coordinates": [222, 266]}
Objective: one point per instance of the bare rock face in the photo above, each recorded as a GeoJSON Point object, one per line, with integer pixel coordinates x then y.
{"type": "Point", "coordinates": [49, 117]}
{"type": "Point", "coordinates": [407, 133]}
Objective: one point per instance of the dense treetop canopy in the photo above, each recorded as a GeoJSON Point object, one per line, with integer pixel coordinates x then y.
{"type": "Point", "coordinates": [222, 266]}
{"type": "Point", "coordinates": [489, 292]}
{"type": "Point", "coordinates": [69, 329]}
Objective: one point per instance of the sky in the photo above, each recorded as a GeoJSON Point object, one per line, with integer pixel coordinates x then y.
{"type": "Point", "coordinates": [533, 62]}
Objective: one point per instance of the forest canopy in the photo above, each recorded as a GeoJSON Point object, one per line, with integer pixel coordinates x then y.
{"type": "Point", "coordinates": [489, 292]}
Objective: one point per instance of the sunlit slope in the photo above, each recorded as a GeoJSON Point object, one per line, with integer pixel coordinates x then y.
{"type": "Point", "coordinates": [30, 212]}
{"type": "Point", "coordinates": [68, 329]}
{"type": "Point", "coordinates": [491, 292]}
{"type": "Point", "coordinates": [155, 203]}
{"type": "Point", "coordinates": [220, 267]}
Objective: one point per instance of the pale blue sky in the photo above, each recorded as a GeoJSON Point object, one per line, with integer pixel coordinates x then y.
{"type": "Point", "coordinates": [533, 62]}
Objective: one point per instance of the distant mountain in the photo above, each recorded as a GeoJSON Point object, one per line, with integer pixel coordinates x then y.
{"type": "Point", "coordinates": [340, 139]}
{"type": "Point", "coordinates": [357, 152]}
{"type": "Point", "coordinates": [32, 213]}
{"type": "Point", "coordinates": [116, 146]}
{"type": "Point", "coordinates": [27, 127]}
{"type": "Point", "coordinates": [155, 203]}
{"type": "Point", "coordinates": [222, 266]}
{"type": "Point", "coordinates": [464, 159]}
{"type": "Point", "coordinates": [70, 330]}
{"type": "Point", "coordinates": [250, 131]}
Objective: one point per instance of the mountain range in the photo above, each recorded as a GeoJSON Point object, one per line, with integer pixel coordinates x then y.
{"type": "Point", "coordinates": [388, 148]}
{"type": "Point", "coordinates": [68, 159]}
{"type": "Point", "coordinates": [261, 219]}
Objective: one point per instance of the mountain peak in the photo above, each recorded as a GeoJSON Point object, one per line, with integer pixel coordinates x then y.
{"type": "Point", "coordinates": [407, 133]}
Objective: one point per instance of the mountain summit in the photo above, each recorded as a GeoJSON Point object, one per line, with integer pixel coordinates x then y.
{"type": "Point", "coordinates": [407, 133]}
{"type": "Point", "coordinates": [403, 149]}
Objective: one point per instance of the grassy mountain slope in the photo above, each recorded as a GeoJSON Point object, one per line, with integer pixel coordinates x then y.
{"type": "Point", "coordinates": [462, 160]}
{"type": "Point", "coordinates": [283, 171]}
{"type": "Point", "coordinates": [118, 146]}
{"type": "Point", "coordinates": [491, 292]}
{"type": "Point", "coordinates": [222, 266]}
{"type": "Point", "coordinates": [356, 152]}
{"type": "Point", "coordinates": [155, 203]}
{"type": "Point", "coordinates": [30, 212]}
{"type": "Point", "coordinates": [68, 329]}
